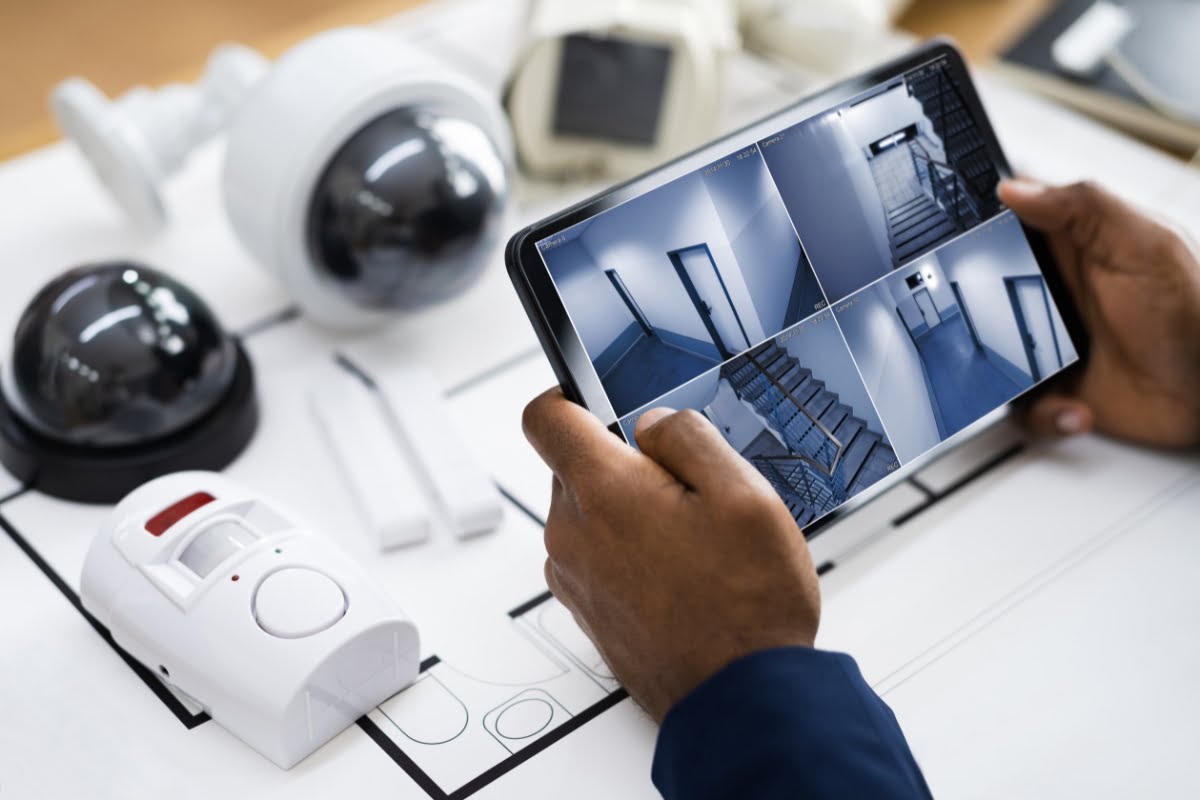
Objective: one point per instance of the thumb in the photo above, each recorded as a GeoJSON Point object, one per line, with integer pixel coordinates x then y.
{"type": "Point", "coordinates": [1035, 203]}
{"type": "Point", "coordinates": [1057, 415]}
{"type": "Point", "coordinates": [688, 446]}
{"type": "Point", "coordinates": [1093, 219]}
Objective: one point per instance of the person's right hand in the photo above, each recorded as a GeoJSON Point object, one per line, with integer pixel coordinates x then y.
{"type": "Point", "coordinates": [1137, 286]}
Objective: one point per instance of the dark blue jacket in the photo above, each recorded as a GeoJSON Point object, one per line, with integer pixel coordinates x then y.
{"type": "Point", "coordinates": [791, 723]}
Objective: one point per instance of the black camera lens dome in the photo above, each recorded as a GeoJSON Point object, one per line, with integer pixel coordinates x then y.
{"type": "Point", "coordinates": [407, 211]}
{"type": "Point", "coordinates": [120, 374]}
{"type": "Point", "coordinates": [114, 355]}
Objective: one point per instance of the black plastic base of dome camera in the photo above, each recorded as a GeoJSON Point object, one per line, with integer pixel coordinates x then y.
{"type": "Point", "coordinates": [106, 474]}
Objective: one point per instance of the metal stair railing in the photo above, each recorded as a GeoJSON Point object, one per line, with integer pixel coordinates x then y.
{"type": "Point", "coordinates": [931, 90]}
{"type": "Point", "coordinates": [810, 442]}
{"type": "Point", "coordinates": [796, 480]}
{"type": "Point", "coordinates": [930, 172]}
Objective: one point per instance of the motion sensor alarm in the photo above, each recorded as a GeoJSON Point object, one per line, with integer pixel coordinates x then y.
{"type": "Point", "coordinates": [269, 627]}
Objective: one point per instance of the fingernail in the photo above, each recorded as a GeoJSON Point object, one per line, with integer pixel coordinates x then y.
{"type": "Point", "coordinates": [1024, 188]}
{"type": "Point", "coordinates": [1069, 422]}
{"type": "Point", "coordinates": [652, 416]}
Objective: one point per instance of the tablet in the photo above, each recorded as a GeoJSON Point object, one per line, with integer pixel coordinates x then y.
{"type": "Point", "coordinates": [836, 287]}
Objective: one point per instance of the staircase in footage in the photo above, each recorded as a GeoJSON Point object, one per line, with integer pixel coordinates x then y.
{"type": "Point", "coordinates": [816, 452]}
{"type": "Point", "coordinates": [935, 181]}
{"type": "Point", "coordinates": [936, 89]}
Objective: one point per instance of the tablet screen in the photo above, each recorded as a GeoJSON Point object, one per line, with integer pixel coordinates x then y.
{"type": "Point", "coordinates": [838, 297]}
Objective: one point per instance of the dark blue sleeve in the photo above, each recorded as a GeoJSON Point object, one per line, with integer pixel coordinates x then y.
{"type": "Point", "coordinates": [792, 723]}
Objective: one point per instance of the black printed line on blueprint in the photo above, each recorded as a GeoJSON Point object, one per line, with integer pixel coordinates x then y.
{"type": "Point", "coordinates": [493, 371]}
{"type": "Point", "coordinates": [272, 320]}
{"type": "Point", "coordinates": [13, 495]}
{"type": "Point", "coordinates": [435, 792]}
{"type": "Point", "coordinates": [524, 509]}
{"type": "Point", "coordinates": [978, 472]}
{"type": "Point", "coordinates": [160, 690]}
{"type": "Point", "coordinates": [350, 365]}
{"type": "Point", "coordinates": [528, 694]}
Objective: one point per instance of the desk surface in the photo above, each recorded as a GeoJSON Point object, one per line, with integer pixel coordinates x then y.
{"type": "Point", "coordinates": [958, 615]}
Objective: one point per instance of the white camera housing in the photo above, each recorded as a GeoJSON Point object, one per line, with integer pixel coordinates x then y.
{"type": "Point", "coordinates": [697, 34]}
{"type": "Point", "coordinates": [315, 97]}
{"type": "Point", "coordinates": [136, 142]}
{"type": "Point", "coordinates": [287, 125]}
{"type": "Point", "coordinates": [270, 628]}
{"type": "Point", "coordinates": [824, 36]}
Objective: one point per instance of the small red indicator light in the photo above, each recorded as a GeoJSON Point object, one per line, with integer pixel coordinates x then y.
{"type": "Point", "coordinates": [161, 522]}
{"type": "Point", "coordinates": [234, 577]}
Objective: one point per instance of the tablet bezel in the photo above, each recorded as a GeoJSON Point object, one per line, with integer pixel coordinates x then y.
{"type": "Point", "coordinates": [573, 367]}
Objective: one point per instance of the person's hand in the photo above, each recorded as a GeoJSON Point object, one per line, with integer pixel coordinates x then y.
{"type": "Point", "coordinates": [1137, 286]}
{"type": "Point", "coordinates": [676, 560]}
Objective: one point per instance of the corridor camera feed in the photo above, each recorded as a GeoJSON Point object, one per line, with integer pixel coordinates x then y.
{"type": "Point", "coordinates": [837, 298]}
{"type": "Point", "coordinates": [795, 408]}
{"type": "Point", "coordinates": [955, 334]}
{"type": "Point", "coordinates": [677, 281]}
{"type": "Point", "coordinates": [901, 170]}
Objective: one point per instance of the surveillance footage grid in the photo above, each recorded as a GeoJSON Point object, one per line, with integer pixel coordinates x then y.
{"type": "Point", "coordinates": [837, 298]}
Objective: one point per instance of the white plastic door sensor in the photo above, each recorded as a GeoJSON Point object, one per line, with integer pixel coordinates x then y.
{"type": "Point", "coordinates": [399, 449]}
{"type": "Point", "coordinates": [381, 479]}
{"type": "Point", "coordinates": [460, 485]}
{"type": "Point", "coordinates": [273, 630]}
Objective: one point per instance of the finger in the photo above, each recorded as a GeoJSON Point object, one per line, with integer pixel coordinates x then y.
{"type": "Point", "coordinates": [689, 447]}
{"type": "Point", "coordinates": [1055, 209]}
{"type": "Point", "coordinates": [1058, 415]}
{"type": "Point", "coordinates": [569, 438]}
{"type": "Point", "coordinates": [552, 581]}
{"type": "Point", "coordinates": [561, 587]}
{"type": "Point", "coordinates": [1095, 220]}
{"type": "Point", "coordinates": [650, 417]}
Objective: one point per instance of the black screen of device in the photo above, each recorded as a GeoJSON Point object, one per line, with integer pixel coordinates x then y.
{"type": "Point", "coordinates": [838, 296]}
{"type": "Point", "coordinates": [610, 89]}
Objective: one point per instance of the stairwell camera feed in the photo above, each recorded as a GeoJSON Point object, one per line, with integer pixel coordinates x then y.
{"type": "Point", "coordinates": [837, 298]}
{"type": "Point", "coordinates": [901, 170]}
{"type": "Point", "coordinates": [797, 410]}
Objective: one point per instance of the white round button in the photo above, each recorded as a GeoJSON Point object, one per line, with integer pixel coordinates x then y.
{"type": "Point", "coordinates": [297, 602]}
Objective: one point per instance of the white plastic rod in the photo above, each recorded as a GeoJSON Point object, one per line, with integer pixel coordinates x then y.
{"type": "Point", "coordinates": [461, 486]}
{"type": "Point", "coordinates": [1083, 47]}
{"type": "Point", "coordinates": [378, 474]}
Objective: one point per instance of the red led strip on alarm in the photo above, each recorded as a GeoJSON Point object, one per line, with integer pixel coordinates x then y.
{"type": "Point", "coordinates": [161, 522]}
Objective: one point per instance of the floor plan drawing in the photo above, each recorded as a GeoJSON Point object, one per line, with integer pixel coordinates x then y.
{"type": "Point", "coordinates": [458, 727]}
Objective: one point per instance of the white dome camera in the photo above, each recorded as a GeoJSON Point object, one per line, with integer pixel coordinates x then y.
{"type": "Point", "coordinates": [366, 175]}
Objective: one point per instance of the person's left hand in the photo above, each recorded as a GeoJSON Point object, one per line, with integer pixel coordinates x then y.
{"type": "Point", "coordinates": [676, 560]}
